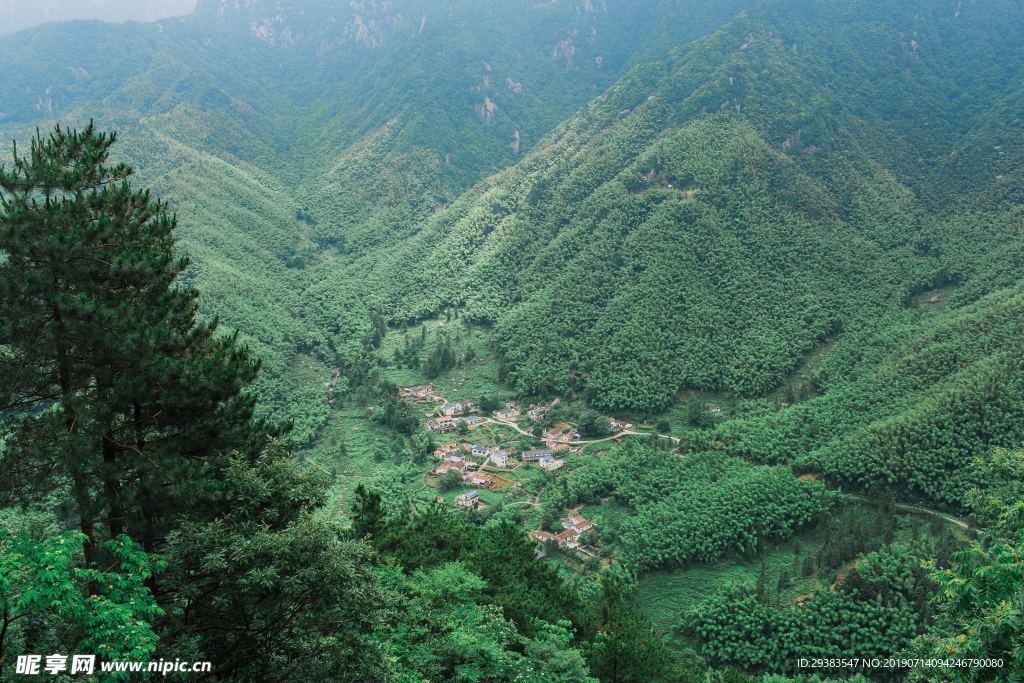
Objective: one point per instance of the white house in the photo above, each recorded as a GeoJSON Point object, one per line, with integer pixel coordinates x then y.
{"type": "Point", "coordinates": [469, 500]}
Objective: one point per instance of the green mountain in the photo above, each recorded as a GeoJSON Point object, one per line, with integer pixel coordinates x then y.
{"type": "Point", "coordinates": [331, 128]}
{"type": "Point", "coordinates": [783, 238]}
{"type": "Point", "coordinates": [787, 176]}
{"type": "Point", "coordinates": [16, 15]}
{"type": "Point", "coordinates": [719, 213]}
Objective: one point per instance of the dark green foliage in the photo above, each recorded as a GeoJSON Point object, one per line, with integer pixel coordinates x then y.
{"type": "Point", "coordinates": [447, 631]}
{"type": "Point", "coordinates": [625, 648]}
{"type": "Point", "coordinates": [883, 601]}
{"type": "Point", "coordinates": [593, 425]}
{"type": "Point", "coordinates": [450, 481]}
{"type": "Point", "coordinates": [321, 144]}
{"type": "Point", "coordinates": [784, 193]}
{"type": "Point", "coordinates": [286, 584]}
{"type": "Point", "coordinates": [874, 612]}
{"type": "Point", "coordinates": [488, 404]}
{"type": "Point", "coordinates": [908, 406]}
{"type": "Point", "coordinates": [697, 508]}
{"type": "Point", "coordinates": [139, 417]}
{"type": "Point", "coordinates": [368, 513]}
{"type": "Point", "coordinates": [505, 575]}
{"type": "Point", "coordinates": [440, 359]}
{"type": "Point", "coordinates": [717, 215]}
{"type": "Point", "coordinates": [397, 414]}
{"type": "Point", "coordinates": [115, 385]}
{"type": "Point", "coordinates": [981, 590]}
{"type": "Point", "coordinates": [498, 552]}
{"type": "Point", "coordinates": [738, 627]}
{"type": "Point", "coordinates": [851, 531]}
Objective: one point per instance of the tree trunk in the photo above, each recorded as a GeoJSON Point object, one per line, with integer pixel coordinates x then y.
{"type": "Point", "coordinates": [83, 501]}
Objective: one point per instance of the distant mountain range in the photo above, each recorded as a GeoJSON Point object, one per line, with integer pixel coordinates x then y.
{"type": "Point", "coordinates": [16, 15]}
{"type": "Point", "coordinates": [641, 198]}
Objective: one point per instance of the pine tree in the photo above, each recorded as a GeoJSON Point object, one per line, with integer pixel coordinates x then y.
{"type": "Point", "coordinates": [139, 394]}
{"type": "Point", "coordinates": [113, 387]}
{"type": "Point", "coordinates": [624, 646]}
{"type": "Point", "coordinates": [761, 588]}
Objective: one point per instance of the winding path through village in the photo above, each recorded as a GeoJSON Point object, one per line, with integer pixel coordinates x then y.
{"type": "Point", "coordinates": [582, 442]}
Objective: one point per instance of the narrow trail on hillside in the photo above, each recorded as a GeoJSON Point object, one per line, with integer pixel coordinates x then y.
{"type": "Point", "coordinates": [956, 521]}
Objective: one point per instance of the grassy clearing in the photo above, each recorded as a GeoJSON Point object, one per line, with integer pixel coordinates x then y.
{"type": "Point", "coordinates": [356, 451]}
{"type": "Point", "coordinates": [665, 596]}
{"type": "Point", "coordinates": [470, 379]}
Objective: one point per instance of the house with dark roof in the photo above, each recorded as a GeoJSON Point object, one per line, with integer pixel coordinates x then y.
{"type": "Point", "coordinates": [538, 413]}
{"type": "Point", "coordinates": [537, 455]}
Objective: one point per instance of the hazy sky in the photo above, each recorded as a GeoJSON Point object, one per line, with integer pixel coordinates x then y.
{"type": "Point", "coordinates": [18, 14]}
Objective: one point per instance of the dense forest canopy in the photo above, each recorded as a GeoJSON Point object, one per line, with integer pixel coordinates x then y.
{"type": "Point", "coordinates": [743, 278]}
{"type": "Point", "coordinates": [262, 118]}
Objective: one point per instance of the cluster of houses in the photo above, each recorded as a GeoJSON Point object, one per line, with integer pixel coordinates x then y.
{"type": "Point", "coordinates": [454, 414]}
{"type": "Point", "coordinates": [572, 529]}
{"type": "Point", "coordinates": [545, 459]}
{"type": "Point", "coordinates": [617, 425]}
{"type": "Point", "coordinates": [450, 423]}
{"type": "Point", "coordinates": [455, 457]}
{"type": "Point", "coordinates": [557, 438]}
{"type": "Point", "coordinates": [469, 459]}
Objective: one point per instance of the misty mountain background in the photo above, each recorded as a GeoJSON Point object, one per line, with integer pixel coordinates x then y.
{"type": "Point", "coordinates": [16, 15]}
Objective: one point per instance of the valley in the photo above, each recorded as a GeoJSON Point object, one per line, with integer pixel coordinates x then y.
{"type": "Point", "coordinates": [678, 339]}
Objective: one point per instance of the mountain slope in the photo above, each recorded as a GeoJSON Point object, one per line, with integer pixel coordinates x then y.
{"type": "Point", "coordinates": [717, 214]}
{"type": "Point", "coordinates": [709, 219]}
{"type": "Point", "coordinates": [332, 128]}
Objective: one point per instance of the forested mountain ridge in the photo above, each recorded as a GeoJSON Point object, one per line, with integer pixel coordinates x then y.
{"type": "Point", "coordinates": [577, 341]}
{"type": "Point", "coordinates": [321, 147]}
{"type": "Point", "coordinates": [523, 66]}
{"type": "Point", "coordinates": [799, 171]}
{"type": "Point", "coordinates": [324, 151]}
{"type": "Point", "coordinates": [752, 176]}
{"type": "Point", "coordinates": [16, 15]}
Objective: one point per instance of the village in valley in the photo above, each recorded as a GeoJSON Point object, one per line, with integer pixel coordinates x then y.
{"type": "Point", "coordinates": [486, 454]}
{"type": "Point", "coordinates": [448, 430]}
